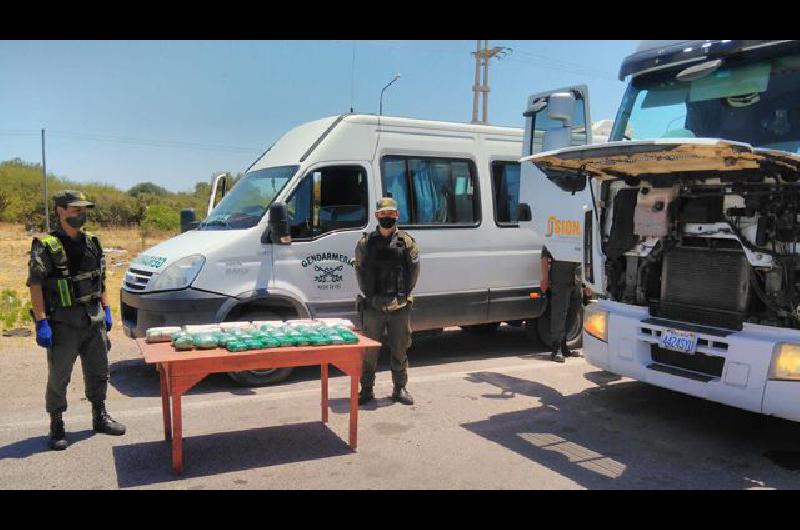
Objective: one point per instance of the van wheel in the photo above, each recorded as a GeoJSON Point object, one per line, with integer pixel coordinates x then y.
{"type": "Point", "coordinates": [267, 377]}
{"type": "Point", "coordinates": [482, 329]}
{"type": "Point", "coordinates": [260, 377]}
{"type": "Point", "coordinates": [574, 327]}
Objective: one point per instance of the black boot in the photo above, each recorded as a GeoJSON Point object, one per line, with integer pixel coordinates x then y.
{"type": "Point", "coordinates": [58, 438]}
{"type": "Point", "coordinates": [566, 351]}
{"type": "Point", "coordinates": [366, 395]}
{"type": "Point", "coordinates": [401, 394]}
{"type": "Point", "coordinates": [556, 354]}
{"type": "Point", "coordinates": [103, 422]}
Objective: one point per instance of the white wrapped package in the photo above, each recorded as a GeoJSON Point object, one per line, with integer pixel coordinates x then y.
{"type": "Point", "coordinates": [300, 322]}
{"type": "Point", "coordinates": [270, 323]}
{"type": "Point", "coordinates": [162, 334]}
{"type": "Point", "coordinates": [202, 328]}
{"type": "Point", "coordinates": [227, 326]}
{"type": "Point", "coordinates": [333, 322]}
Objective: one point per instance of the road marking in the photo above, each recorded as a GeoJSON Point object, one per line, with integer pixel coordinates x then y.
{"type": "Point", "coordinates": [342, 385]}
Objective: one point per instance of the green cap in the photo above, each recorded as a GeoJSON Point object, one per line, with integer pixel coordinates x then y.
{"type": "Point", "coordinates": [71, 198]}
{"type": "Point", "coordinates": [386, 204]}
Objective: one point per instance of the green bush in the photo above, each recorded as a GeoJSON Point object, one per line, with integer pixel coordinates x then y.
{"type": "Point", "coordinates": [9, 308]}
{"type": "Point", "coordinates": [161, 217]}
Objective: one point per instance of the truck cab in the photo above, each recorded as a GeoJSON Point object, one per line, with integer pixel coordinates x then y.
{"type": "Point", "coordinates": [691, 222]}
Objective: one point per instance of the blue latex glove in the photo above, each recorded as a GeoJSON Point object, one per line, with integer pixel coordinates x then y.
{"type": "Point", "coordinates": [108, 318]}
{"type": "Point", "coordinates": [44, 335]}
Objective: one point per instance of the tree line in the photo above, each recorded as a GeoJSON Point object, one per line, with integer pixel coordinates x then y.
{"type": "Point", "coordinates": [146, 205]}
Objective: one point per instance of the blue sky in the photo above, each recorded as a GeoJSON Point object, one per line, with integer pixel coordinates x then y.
{"type": "Point", "coordinates": [174, 112]}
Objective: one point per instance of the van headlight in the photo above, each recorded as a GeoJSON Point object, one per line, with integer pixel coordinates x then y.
{"type": "Point", "coordinates": [180, 274]}
{"type": "Point", "coordinates": [785, 362]}
{"type": "Point", "coordinates": [595, 322]}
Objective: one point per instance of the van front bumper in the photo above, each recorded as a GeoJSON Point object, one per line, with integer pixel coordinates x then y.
{"type": "Point", "coordinates": [168, 308]}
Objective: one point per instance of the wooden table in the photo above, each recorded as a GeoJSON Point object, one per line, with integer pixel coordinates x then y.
{"type": "Point", "coordinates": [181, 370]}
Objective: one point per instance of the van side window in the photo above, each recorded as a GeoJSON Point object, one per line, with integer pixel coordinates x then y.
{"type": "Point", "coordinates": [505, 191]}
{"type": "Point", "coordinates": [328, 199]}
{"type": "Point", "coordinates": [432, 191]}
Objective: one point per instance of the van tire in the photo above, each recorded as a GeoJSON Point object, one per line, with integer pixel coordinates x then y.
{"type": "Point", "coordinates": [260, 377]}
{"type": "Point", "coordinates": [251, 378]}
{"type": "Point", "coordinates": [574, 327]}
{"type": "Point", "coordinates": [482, 329]}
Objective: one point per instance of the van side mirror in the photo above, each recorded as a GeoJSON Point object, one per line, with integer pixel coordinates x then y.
{"type": "Point", "coordinates": [524, 212]}
{"type": "Point", "coordinates": [279, 224]}
{"type": "Point", "coordinates": [561, 107]}
{"type": "Point", "coordinates": [188, 219]}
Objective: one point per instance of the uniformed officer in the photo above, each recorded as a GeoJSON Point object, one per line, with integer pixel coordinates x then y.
{"type": "Point", "coordinates": [66, 276]}
{"type": "Point", "coordinates": [560, 278]}
{"type": "Point", "coordinates": [387, 268]}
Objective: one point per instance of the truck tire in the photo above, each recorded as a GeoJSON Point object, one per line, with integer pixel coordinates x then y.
{"type": "Point", "coordinates": [574, 327]}
{"type": "Point", "coordinates": [482, 329]}
{"type": "Point", "coordinates": [251, 378]}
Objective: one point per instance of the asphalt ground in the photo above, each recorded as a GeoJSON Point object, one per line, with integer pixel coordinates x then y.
{"type": "Point", "coordinates": [491, 412]}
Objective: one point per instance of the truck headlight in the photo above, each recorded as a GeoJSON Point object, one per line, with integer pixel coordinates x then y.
{"type": "Point", "coordinates": [180, 274]}
{"type": "Point", "coordinates": [785, 362]}
{"type": "Point", "coordinates": [595, 322]}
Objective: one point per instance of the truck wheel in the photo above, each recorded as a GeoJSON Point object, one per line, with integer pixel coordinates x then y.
{"type": "Point", "coordinates": [574, 327]}
{"type": "Point", "coordinates": [482, 329]}
{"type": "Point", "coordinates": [260, 377]}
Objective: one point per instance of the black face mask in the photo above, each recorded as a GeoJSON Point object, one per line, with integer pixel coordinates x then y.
{"type": "Point", "coordinates": [387, 222]}
{"type": "Point", "coordinates": [77, 221]}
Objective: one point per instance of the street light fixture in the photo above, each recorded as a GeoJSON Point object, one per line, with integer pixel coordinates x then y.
{"type": "Point", "coordinates": [395, 78]}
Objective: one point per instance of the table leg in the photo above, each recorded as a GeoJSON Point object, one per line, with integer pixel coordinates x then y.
{"type": "Point", "coordinates": [324, 369]}
{"type": "Point", "coordinates": [353, 410]}
{"type": "Point", "coordinates": [177, 435]}
{"type": "Point", "coordinates": [162, 371]}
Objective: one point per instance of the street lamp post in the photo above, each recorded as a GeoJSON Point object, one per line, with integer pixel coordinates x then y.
{"type": "Point", "coordinates": [395, 78]}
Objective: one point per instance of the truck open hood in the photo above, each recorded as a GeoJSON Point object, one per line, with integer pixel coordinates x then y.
{"type": "Point", "coordinates": [664, 158]}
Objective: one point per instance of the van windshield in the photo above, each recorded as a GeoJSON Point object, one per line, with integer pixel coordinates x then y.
{"type": "Point", "coordinates": [246, 203]}
{"type": "Point", "coordinates": [756, 102]}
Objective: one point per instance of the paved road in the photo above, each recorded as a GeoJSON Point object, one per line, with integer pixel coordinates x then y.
{"type": "Point", "coordinates": [491, 412]}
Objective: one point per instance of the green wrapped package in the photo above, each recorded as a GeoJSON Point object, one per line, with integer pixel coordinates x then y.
{"type": "Point", "coordinates": [182, 343]}
{"type": "Point", "coordinates": [301, 340]}
{"type": "Point", "coordinates": [270, 342]}
{"type": "Point", "coordinates": [223, 338]}
{"type": "Point", "coordinates": [252, 343]}
{"type": "Point", "coordinates": [204, 341]}
{"type": "Point", "coordinates": [319, 340]}
{"type": "Point", "coordinates": [336, 340]}
{"type": "Point", "coordinates": [179, 334]}
{"type": "Point", "coordinates": [349, 338]}
{"type": "Point", "coordinates": [285, 341]}
{"type": "Point", "coordinates": [235, 345]}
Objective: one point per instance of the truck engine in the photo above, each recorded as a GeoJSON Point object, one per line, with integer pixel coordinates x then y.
{"type": "Point", "coordinates": [712, 249]}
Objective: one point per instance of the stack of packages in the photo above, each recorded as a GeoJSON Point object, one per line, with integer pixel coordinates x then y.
{"type": "Point", "coordinates": [241, 336]}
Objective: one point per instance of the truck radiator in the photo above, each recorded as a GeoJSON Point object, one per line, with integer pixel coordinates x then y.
{"type": "Point", "coordinates": [706, 286]}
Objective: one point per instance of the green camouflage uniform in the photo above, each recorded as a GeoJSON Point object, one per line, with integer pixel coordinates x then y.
{"type": "Point", "coordinates": [564, 291]}
{"type": "Point", "coordinates": [389, 312]}
{"type": "Point", "coordinates": [78, 329]}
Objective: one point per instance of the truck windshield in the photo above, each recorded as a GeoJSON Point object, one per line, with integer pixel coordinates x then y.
{"type": "Point", "coordinates": [248, 200]}
{"type": "Point", "coordinates": [753, 102]}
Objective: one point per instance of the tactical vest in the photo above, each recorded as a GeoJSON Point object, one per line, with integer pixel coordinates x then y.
{"type": "Point", "coordinates": [389, 266]}
{"type": "Point", "coordinates": [64, 290]}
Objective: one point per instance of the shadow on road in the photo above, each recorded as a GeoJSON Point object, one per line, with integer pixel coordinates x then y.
{"type": "Point", "coordinates": [38, 444]}
{"type": "Point", "coordinates": [210, 454]}
{"type": "Point", "coordinates": [631, 435]}
{"type": "Point", "coordinates": [134, 378]}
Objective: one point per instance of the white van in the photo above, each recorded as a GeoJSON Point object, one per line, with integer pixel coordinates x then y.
{"type": "Point", "coordinates": [457, 187]}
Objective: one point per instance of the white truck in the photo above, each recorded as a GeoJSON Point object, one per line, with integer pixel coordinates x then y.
{"type": "Point", "coordinates": [687, 221]}
{"type": "Point", "coordinates": [280, 243]}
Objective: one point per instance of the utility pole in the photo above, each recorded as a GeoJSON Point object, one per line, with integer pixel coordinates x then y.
{"type": "Point", "coordinates": [483, 57]}
{"type": "Point", "coordinates": [44, 178]}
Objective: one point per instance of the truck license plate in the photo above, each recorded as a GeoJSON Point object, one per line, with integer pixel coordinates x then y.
{"type": "Point", "coordinates": [682, 341]}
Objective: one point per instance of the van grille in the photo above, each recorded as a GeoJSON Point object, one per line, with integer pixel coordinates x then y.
{"type": "Point", "coordinates": [136, 279]}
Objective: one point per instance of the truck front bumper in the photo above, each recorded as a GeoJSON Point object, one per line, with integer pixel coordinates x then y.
{"type": "Point", "coordinates": [730, 367]}
{"type": "Point", "coordinates": [167, 308]}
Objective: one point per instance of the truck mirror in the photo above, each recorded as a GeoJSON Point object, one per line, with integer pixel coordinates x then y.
{"type": "Point", "coordinates": [188, 219]}
{"type": "Point", "coordinates": [524, 212]}
{"type": "Point", "coordinates": [561, 107]}
{"type": "Point", "coordinates": [279, 224]}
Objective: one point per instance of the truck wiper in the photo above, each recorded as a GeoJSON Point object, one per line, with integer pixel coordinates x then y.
{"type": "Point", "coordinates": [216, 222]}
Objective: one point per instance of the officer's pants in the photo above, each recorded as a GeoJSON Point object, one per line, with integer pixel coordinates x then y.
{"type": "Point", "coordinates": [397, 326]}
{"type": "Point", "coordinates": [68, 343]}
{"type": "Point", "coordinates": [562, 297]}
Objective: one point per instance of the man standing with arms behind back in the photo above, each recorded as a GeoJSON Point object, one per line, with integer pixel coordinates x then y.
{"type": "Point", "coordinates": [560, 278]}
{"type": "Point", "coordinates": [387, 268]}
{"type": "Point", "coordinates": [66, 276]}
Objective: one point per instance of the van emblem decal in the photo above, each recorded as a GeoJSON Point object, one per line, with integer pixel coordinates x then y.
{"type": "Point", "coordinates": [328, 276]}
{"type": "Point", "coordinates": [562, 228]}
{"type": "Point", "coordinates": [328, 272]}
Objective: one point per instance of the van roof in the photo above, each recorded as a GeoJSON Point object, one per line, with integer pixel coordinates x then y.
{"type": "Point", "coordinates": [397, 121]}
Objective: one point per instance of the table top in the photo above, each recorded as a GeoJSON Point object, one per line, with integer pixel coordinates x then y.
{"type": "Point", "coordinates": [163, 352]}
